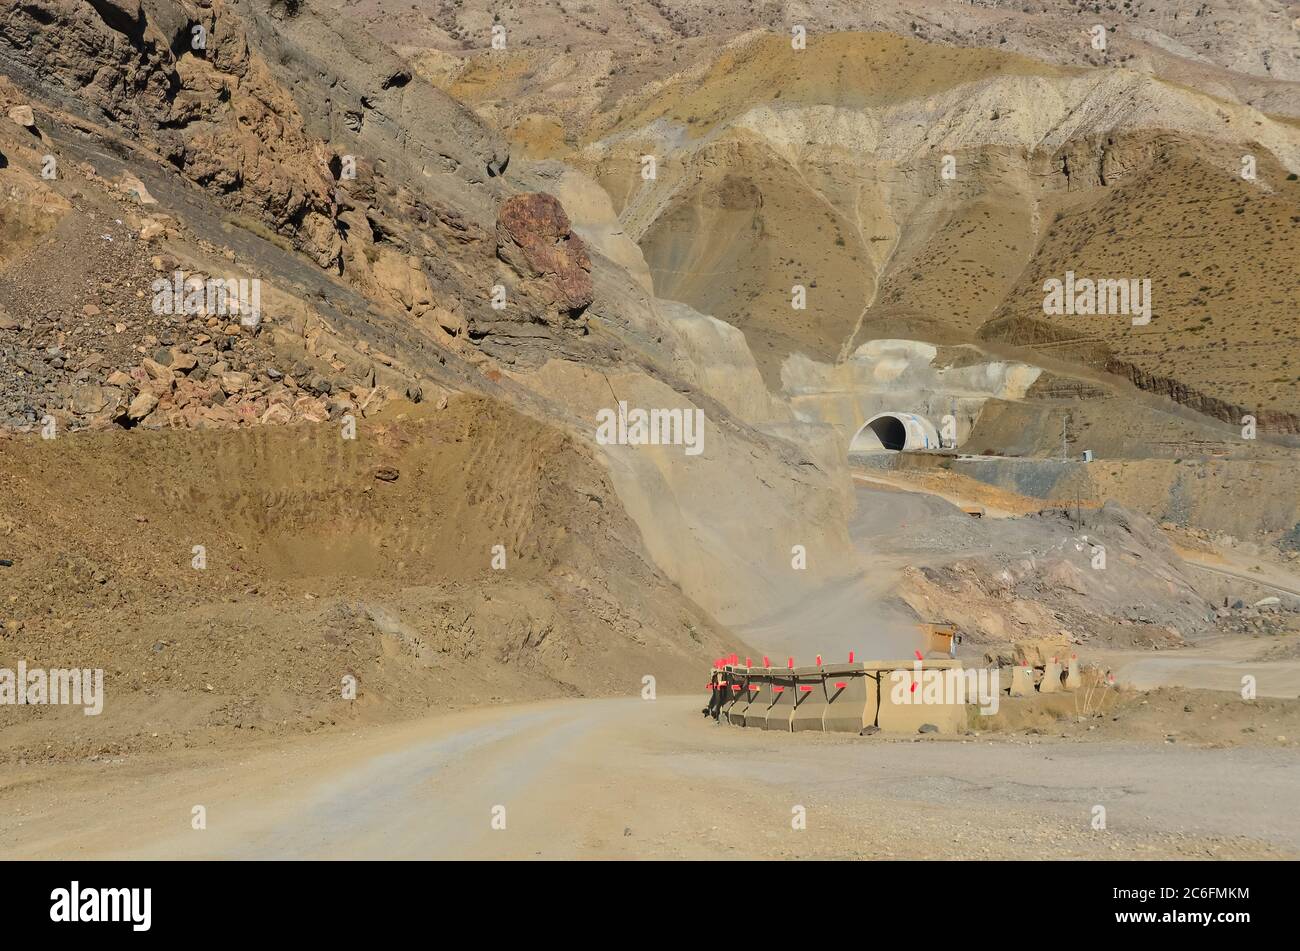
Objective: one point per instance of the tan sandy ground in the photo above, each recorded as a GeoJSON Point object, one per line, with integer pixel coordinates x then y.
{"type": "Point", "coordinates": [317, 569]}
{"type": "Point", "coordinates": [628, 778]}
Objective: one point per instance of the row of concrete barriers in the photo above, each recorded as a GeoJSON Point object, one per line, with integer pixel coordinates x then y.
{"type": "Point", "coordinates": [831, 698]}
{"type": "Point", "coordinates": [1052, 677]}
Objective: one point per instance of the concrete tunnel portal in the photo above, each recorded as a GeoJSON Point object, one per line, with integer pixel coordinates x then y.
{"type": "Point", "coordinates": [895, 432]}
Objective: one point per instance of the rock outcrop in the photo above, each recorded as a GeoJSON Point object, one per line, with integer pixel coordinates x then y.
{"type": "Point", "coordinates": [535, 238]}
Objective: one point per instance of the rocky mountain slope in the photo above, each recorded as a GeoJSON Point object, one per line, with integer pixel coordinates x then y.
{"type": "Point", "coordinates": [461, 266]}
{"type": "Point", "coordinates": [406, 264]}
{"type": "Point", "coordinates": [824, 167]}
{"type": "Point", "coordinates": [1254, 41]}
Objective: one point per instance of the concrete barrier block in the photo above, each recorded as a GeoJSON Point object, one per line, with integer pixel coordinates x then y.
{"type": "Point", "coordinates": [910, 698]}
{"type": "Point", "coordinates": [1022, 681]}
{"type": "Point", "coordinates": [809, 700]}
{"type": "Point", "coordinates": [782, 689]}
{"type": "Point", "coordinates": [1051, 682]}
{"type": "Point", "coordinates": [1005, 676]}
{"type": "Point", "coordinates": [760, 698]}
{"type": "Point", "coordinates": [735, 711]}
{"type": "Point", "coordinates": [852, 696]}
{"type": "Point", "coordinates": [726, 686]}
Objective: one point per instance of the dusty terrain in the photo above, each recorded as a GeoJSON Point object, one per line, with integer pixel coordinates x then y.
{"type": "Point", "coordinates": [324, 558]}
{"type": "Point", "coordinates": [589, 779]}
{"type": "Point", "coordinates": [389, 477]}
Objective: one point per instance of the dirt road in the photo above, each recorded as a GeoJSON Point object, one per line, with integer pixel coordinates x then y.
{"type": "Point", "coordinates": [1217, 664]}
{"type": "Point", "coordinates": [629, 778]}
{"type": "Point", "coordinates": [1274, 577]}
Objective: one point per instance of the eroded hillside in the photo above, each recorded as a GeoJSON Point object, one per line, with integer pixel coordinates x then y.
{"type": "Point", "coordinates": [913, 189]}
{"type": "Point", "coordinates": [394, 466]}
{"type": "Point", "coordinates": [406, 264]}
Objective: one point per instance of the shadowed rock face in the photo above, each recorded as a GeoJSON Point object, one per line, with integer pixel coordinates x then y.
{"type": "Point", "coordinates": [212, 110]}
{"type": "Point", "coordinates": [124, 16]}
{"type": "Point", "coordinates": [534, 237]}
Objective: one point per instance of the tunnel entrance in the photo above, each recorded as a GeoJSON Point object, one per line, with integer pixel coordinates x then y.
{"type": "Point", "coordinates": [890, 431]}
{"type": "Point", "coordinates": [894, 432]}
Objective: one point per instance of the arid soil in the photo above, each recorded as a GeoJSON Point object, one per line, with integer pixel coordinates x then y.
{"type": "Point", "coordinates": [590, 779]}
{"type": "Point", "coordinates": [360, 568]}
{"type": "Point", "coordinates": [323, 558]}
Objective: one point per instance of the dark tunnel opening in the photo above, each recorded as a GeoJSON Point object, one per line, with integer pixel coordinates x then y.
{"type": "Point", "coordinates": [891, 432]}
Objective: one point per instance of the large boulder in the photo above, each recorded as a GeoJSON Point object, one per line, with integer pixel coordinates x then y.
{"type": "Point", "coordinates": [535, 238]}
